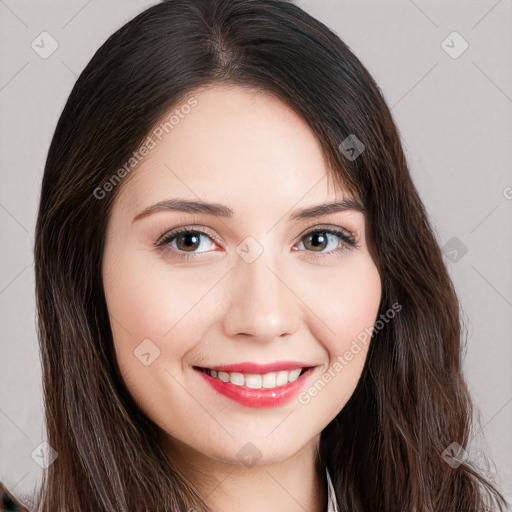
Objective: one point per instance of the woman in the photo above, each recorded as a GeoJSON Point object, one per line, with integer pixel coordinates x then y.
{"type": "Point", "coordinates": [253, 373]}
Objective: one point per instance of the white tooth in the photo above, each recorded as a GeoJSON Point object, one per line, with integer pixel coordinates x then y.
{"type": "Point", "coordinates": [253, 381]}
{"type": "Point", "coordinates": [257, 381]}
{"type": "Point", "coordinates": [269, 380]}
{"type": "Point", "coordinates": [282, 378]}
{"type": "Point", "coordinates": [223, 376]}
{"type": "Point", "coordinates": [236, 378]}
{"type": "Point", "coordinates": [294, 374]}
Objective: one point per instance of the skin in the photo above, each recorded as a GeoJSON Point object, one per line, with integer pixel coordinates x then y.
{"type": "Point", "coordinates": [252, 153]}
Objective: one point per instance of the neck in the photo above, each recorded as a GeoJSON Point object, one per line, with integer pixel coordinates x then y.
{"type": "Point", "coordinates": [296, 484]}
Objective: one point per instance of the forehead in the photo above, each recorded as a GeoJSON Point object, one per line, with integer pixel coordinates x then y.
{"type": "Point", "coordinates": [234, 143]}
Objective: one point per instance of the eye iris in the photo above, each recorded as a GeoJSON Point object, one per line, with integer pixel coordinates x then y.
{"type": "Point", "coordinates": [320, 240]}
{"type": "Point", "coordinates": [188, 237]}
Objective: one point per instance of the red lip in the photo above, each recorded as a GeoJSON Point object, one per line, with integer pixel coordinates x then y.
{"type": "Point", "coordinates": [259, 398]}
{"type": "Point", "coordinates": [250, 367]}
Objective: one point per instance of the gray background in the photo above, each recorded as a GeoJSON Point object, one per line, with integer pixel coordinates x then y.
{"type": "Point", "coordinates": [454, 116]}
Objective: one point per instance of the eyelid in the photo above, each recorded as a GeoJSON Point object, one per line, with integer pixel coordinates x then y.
{"type": "Point", "coordinates": [349, 239]}
{"type": "Point", "coordinates": [330, 227]}
{"type": "Point", "coordinates": [189, 227]}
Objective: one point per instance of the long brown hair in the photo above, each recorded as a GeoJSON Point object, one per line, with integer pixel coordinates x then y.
{"type": "Point", "coordinates": [384, 449]}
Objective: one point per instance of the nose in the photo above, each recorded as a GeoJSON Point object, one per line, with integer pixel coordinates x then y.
{"type": "Point", "coordinates": [261, 301]}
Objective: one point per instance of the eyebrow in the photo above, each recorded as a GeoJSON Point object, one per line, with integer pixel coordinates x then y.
{"type": "Point", "coordinates": [219, 210]}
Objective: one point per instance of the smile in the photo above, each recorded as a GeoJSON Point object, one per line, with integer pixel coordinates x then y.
{"type": "Point", "coordinates": [257, 381]}
{"type": "Point", "coordinates": [269, 389]}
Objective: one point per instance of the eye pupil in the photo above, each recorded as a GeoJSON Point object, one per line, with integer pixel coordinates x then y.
{"type": "Point", "coordinates": [188, 237]}
{"type": "Point", "coordinates": [318, 236]}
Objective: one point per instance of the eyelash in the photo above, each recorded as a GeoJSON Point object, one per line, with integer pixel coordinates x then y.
{"type": "Point", "coordinates": [164, 241]}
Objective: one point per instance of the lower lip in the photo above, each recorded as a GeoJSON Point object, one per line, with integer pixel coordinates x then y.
{"type": "Point", "coordinates": [258, 397]}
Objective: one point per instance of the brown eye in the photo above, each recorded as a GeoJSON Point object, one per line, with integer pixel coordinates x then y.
{"type": "Point", "coordinates": [186, 240]}
{"type": "Point", "coordinates": [320, 239]}
{"type": "Point", "coordinates": [317, 240]}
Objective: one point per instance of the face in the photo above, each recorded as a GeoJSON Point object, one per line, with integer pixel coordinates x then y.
{"type": "Point", "coordinates": [254, 286]}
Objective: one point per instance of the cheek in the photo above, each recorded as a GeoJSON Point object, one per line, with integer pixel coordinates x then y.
{"type": "Point", "coordinates": [142, 305]}
{"type": "Point", "coordinates": [145, 298]}
{"type": "Point", "coordinates": [345, 312]}
{"type": "Point", "coordinates": [157, 316]}
{"type": "Point", "coordinates": [151, 328]}
{"type": "Point", "coordinates": [348, 303]}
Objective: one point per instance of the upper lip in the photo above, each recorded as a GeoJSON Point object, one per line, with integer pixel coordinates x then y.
{"type": "Point", "coordinates": [252, 367]}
